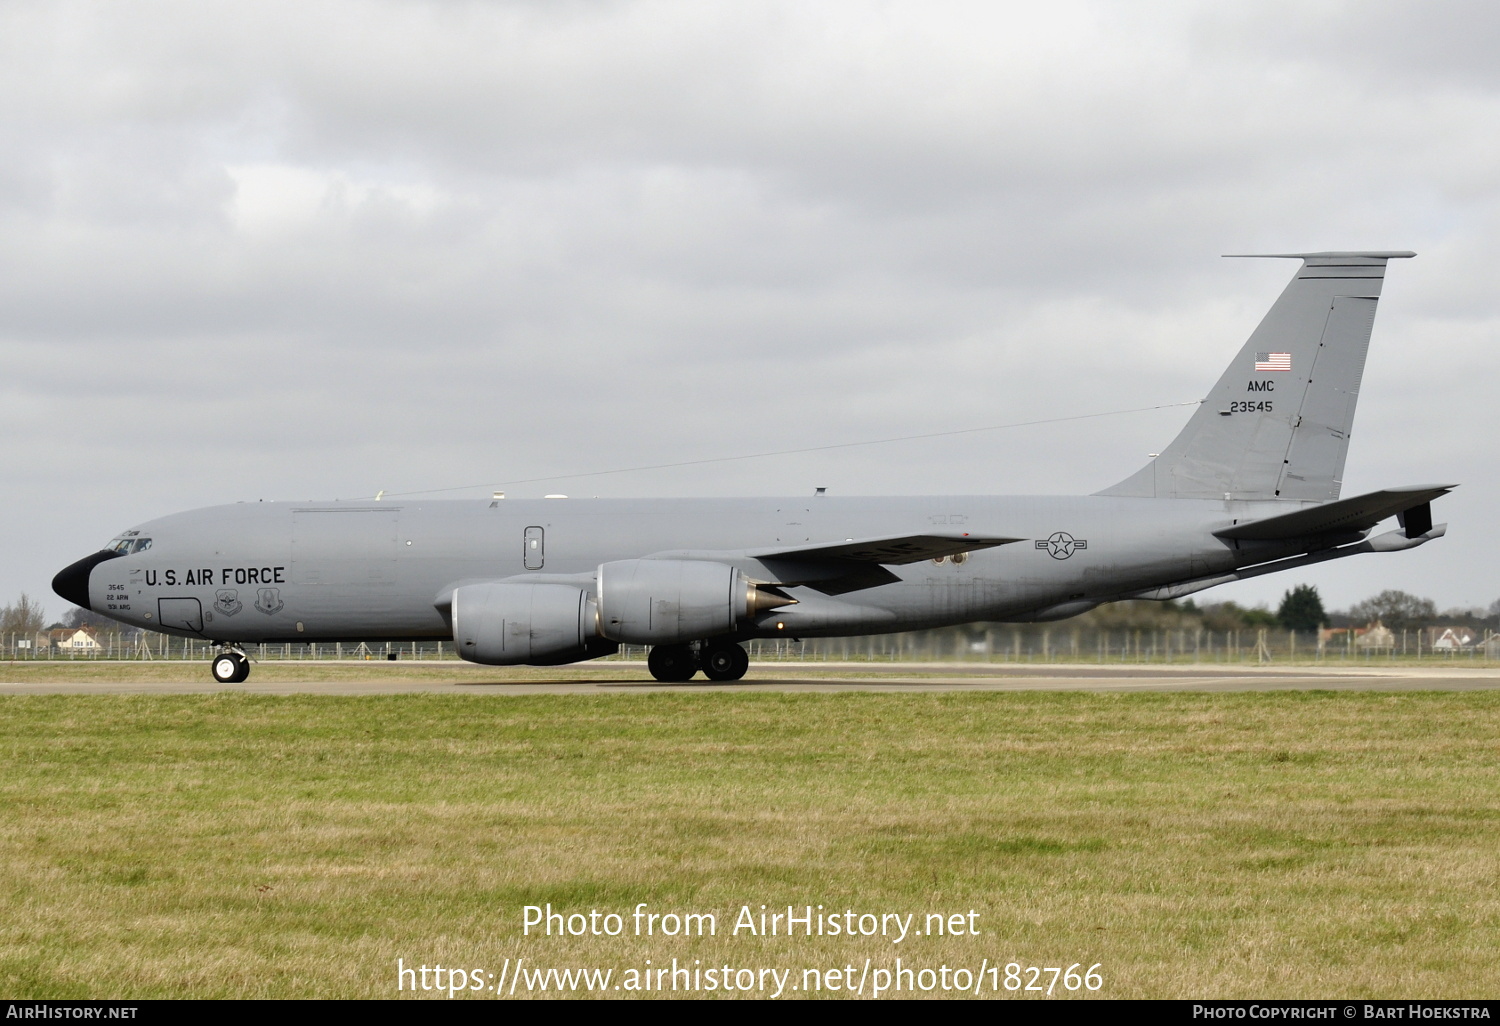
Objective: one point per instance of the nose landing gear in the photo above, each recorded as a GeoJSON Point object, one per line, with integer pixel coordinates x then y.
{"type": "Point", "coordinates": [230, 666]}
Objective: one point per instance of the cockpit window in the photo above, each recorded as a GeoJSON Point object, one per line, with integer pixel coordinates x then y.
{"type": "Point", "coordinates": [142, 544]}
{"type": "Point", "coordinates": [125, 546]}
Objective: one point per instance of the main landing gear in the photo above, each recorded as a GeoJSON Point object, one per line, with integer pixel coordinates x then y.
{"type": "Point", "coordinates": [724, 660]}
{"type": "Point", "coordinates": [719, 660]}
{"type": "Point", "coordinates": [230, 666]}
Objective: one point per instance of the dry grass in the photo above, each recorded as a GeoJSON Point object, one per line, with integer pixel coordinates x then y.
{"type": "Point", "coordinates": [1206, 845]}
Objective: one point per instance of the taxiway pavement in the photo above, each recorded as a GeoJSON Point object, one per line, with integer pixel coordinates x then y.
{"type": "Point", "coordinates": [632, 678]}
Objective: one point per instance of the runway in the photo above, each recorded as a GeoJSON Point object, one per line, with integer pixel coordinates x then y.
{"type": "Point", "coordinates": [619, 678]}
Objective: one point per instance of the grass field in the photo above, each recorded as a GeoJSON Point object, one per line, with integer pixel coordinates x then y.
{"type": "Point", "coordinates": [1195, 845]}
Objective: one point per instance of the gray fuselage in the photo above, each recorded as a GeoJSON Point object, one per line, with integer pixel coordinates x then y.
{"type": "Point", "coordinates": [324, 571]}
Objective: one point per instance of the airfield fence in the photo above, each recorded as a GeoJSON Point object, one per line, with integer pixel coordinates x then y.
{"type": "Point", "coordinates": [998, 643]}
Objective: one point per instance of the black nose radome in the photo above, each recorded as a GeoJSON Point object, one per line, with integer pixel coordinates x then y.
{"type": "Point", "coordinates": [73, 583]}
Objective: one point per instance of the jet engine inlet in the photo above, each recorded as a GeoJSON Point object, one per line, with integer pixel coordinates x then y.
{"type": "Point", "coordinates": [506, 624]}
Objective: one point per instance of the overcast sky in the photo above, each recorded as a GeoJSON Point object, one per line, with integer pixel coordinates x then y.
{"type": "Point", "coordinates": [294, 250]}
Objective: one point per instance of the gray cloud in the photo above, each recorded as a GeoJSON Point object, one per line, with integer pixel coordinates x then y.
{"type": "Point", "coordinates": [327, 248]}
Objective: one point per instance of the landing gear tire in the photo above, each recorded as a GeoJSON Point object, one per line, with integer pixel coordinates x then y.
{"type": "Point", "coordinates": [672, 664]}
{"type": "Point", "coordinates": [230, 668]}
{"type": "Point", "coordinates": [725, 661]}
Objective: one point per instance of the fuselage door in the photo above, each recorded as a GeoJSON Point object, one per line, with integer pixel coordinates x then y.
{"type": "Point", "coordinates": [183, 614]}
{"type": "Point", "coordinates": [534, 548]}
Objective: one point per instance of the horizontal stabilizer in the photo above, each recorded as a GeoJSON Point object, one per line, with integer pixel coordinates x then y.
{"type": "Point", "coordinates": [911, 548]}
{"type": "Point", "coordinates": [1338, 257]}
{"type": "Point", "coordinates": [1356, 514]}
{"type": "Point", "coordinates": [1391, 541]}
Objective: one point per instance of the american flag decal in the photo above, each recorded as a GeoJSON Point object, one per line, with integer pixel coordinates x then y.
{"type": "Point", "coordinates": [1273, 361]}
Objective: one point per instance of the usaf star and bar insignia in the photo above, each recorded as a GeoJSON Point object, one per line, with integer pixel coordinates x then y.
{"type": "Point", "coordinates": [1061, 544]}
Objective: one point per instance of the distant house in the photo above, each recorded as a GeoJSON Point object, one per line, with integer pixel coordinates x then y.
{"type": "Point", "coordinates": [79, 640]}
{"type": "Point", "coordinates": [1372, 636]}
{"type": "Point", "coordinates": [1336, 636]}
{"type": "Point", "coordinates": [1451, 639]}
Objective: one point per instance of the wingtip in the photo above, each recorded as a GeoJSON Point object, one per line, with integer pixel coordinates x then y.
{"type": "Point", "coordinates": [1423, 488]}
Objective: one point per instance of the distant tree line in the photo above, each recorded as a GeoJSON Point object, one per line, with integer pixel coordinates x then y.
{"type": "Point", "coordinates": [1301, 609]}
{"type": "Point", "coordinates": [23, 617]}
{"type": "Point", "coordinates": [26, 616]}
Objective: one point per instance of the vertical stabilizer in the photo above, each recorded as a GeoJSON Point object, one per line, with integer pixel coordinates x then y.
{"type": "Point", "coordinates": [1277, 423]}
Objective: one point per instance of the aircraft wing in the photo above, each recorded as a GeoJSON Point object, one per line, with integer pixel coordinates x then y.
{"type": "Point", "coordinates": [838, 568]}
{"type": "Point", "coordinates": [1356, 514]}
{"type": "Point", "coordinates": [910, 548]}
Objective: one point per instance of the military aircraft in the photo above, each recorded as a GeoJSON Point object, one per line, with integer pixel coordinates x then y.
{"type": "Point", "coordinates": [1249, 487]}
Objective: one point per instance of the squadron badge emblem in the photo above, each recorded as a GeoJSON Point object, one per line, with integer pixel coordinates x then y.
{"type": "Point", "coordinates": [1061, 544]}
{"type": "Point", "coordinates": [227, 601]}
{"type": "Point", "coordinates": [268, 601]}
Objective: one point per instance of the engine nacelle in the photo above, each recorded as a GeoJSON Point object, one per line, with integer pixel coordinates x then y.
{"type": "Point", "coordinates": [666, 601]}
{"type": "Point", "coordinates": [509, 623]}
